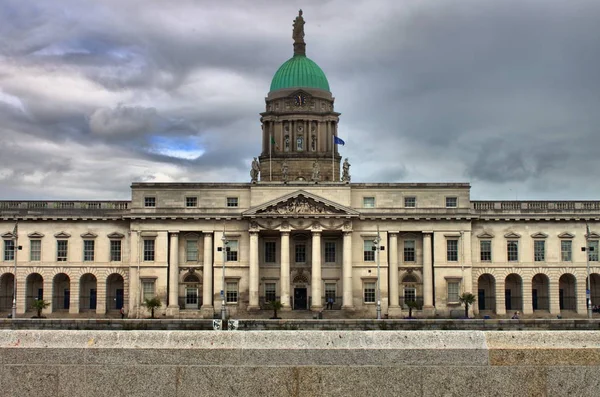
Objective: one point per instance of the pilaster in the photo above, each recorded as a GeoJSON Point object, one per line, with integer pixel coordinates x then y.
{"type": "Point", "coordinates": [173, 308]}
{"type": "Point", "coordinates": [207, 277]}
{"type": "Point", "coordinates": [347, 272]}
{"type": "Point", "coordinates": [253, 274]}
{"type": "Point", "coordinates": [394, 309]}
{"type": "Point", "coordinates": [315, 286]}
{"type": "Point", "coordinates": [428, 308]}
{"type": "Point", "coordinates": [284, 278]}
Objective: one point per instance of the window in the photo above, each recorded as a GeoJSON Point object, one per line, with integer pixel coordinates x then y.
{"type": "Point", "coordinates": [512, 250]}
{"type": "Point", "coordinates": [232, 292]}
{"type": "Point", "coordinates": [149, 201]}
{"type": "Point", "coordinates": [410, 294]}
{"type": "Point", "coordinates": [61, 250]}
{"type": "Point", "coordinates": [409, 250]}
{"type": "Point", "coordinates": [330, 289]}
{"type": "Point", "coordinates": [452, 250]}
{"type": "Point", "coordinates": [539, 250]}
{"type": "Point", "coordinates": [566, 250]}
{"type": "Point", "coordinates": [410, 202]}
{"type": "Point", "coordinates": [368, 253]}
{"type": "Point", "coordinates": [485, 250]}
{"type": "Point", "coordinates": [191, 250]}
{"type": "Point", "coordinates": [35, 250]}
{"type": "Point", "coordinates": [149, 250]}
{"type": "Point", "coordinates": [232, 201]}
{"type": "Point", "coordinates": [9, 250]}
{"type": "Point", "coordinates": [88, 250]}
{"type": "Point", "coordinates": [369, 202]}
{"type": "Point", "coordinates": [270, 251]}
{"type": "Point", "coordinates": [191, 201]}
{"type": "Point", "coordinates": [330, 251]}
{"type": "Point", "coordinates": [451, 202]}
{"type": "Point", "coordinates": [148, 289]}
{"type": "Point", "coordinates": [270, 295]}
{"type": "Point", "coordinates": [453, 287]}
{"type": "Point", "coordinates": [593, 250]}
{"type": "Point", "coordinates": [369, 292]}
{"type": "Point", "coordinates": [115, 250]}
{"type": "Point", "coordinates": [300, 253]}
{"type": "Point", "coordinates": [232, 251]}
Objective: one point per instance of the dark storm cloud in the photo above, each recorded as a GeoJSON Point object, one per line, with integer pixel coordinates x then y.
{"type": "Point", "coordinates": [500, 93]}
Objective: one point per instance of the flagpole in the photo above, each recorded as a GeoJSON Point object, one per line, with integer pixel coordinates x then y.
{"type": "Point", "coordinates": [270, 158]}
{"type": "Point", "coordinates": [332, 160]}
{"type": "Point", "coordinates": [16, 248]}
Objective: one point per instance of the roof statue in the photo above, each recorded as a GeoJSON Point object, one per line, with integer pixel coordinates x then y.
{"type": "Point", "coordinates": [254, 171]}
{"type": "Point", "coordinates": [298, 35]}
{"type": "Point", "coordinates": [346, 171]}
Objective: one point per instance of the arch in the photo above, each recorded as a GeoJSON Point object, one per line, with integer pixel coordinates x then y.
{"type": "Point", "coordinates": [300, 279]}
{"type": "Point", "coordinates": [567, 292]}
{"type": "Point", "coordinates": [115, 292]}
{"type": "Point", "coordinates": [540, 291]}
{"type": "Point", "coordinates": [34, 289]}
{"type": "Point", "coordinates": [486, 292]}
{"type": "Point", "coordinates": [410, 278]}
{"type": "Point", "coordinates": [513, 287]}
{"type": "Point", "coordinates": [7, 285]}
{"type": "Point", "coordinates": [61, 292]}
{"type": "Point", "coordinates": [190, 291]}
{"type": "Point", "coordinates": [191, 278]}
{"type": "Point", "coordinates": [88, 284]}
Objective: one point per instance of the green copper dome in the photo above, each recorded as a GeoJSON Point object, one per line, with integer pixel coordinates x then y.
{"type": "Point", "coordinates": [299, 71]}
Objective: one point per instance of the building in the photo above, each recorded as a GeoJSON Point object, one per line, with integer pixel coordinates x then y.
{"type": "Point", "coordinates": [301, 233]}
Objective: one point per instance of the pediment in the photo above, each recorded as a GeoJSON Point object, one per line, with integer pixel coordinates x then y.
{"type": "Point", "coordinates": [300, 203]}
{"type": "Point", "coordinates": [7, 235]}
{"type": "Point", "coordinates": [512, 235]}
{"type": "Point", "coordinates": [89, 235]}
{"type": "Point", "coordinates": [35, 235]}
{"type": "Point", "coordinates": [485, 235]}
{"type": "Point", "coordinates": [62, 235]}
{"type": "Point", "coordinates": [566, 235]}
{"type": "Point", "coordinates": [539, 235]}
{"type": "Point", "coordinates": [593, 235]}
{"type": "Point", "coordinates": [115, 235]}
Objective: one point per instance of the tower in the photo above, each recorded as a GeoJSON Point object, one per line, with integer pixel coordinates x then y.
{"type": "Point", "coordinates": [299, 124]}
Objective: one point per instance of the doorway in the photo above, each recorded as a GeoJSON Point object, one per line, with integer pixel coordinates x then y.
{"type": "Point", "coordinates": [300, 301]}
{"type": "Point", "coordinates": [191, 298]}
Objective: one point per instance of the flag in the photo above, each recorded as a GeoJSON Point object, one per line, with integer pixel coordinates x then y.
{"type": "Point", "coordinates": [338, 141]}
{"type": "Point", "coordinates": [273, 143]}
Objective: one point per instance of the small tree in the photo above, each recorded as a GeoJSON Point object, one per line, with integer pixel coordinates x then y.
{"type": "Point", "coordinates": [467, 299]}
{"type": "Point", "coordinates": [275, 306]}
{"type": "Point", "coordinates": [152, 304]}
{"type": "Point", "coordinates": [411, 306]}
{"type": "Point", "coordinates": [39, 305]}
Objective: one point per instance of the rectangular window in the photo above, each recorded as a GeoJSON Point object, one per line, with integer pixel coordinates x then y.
{"type": "Point", "coordinates": [232, 201]}
{"type": "Point", "coordinates": [270, 295]}
{"type": "Point", "coordinates": [410, 294]}
{"type": "Point", "coordinates": [368, 202]}
{"type": "Point", "coordinates": [451, 202]}
{"type": "Point", "coordinates": [369, 292]}
{"type": "Point", "coordinates": [300, 253]}
{"type": "Point", "coordinates": [539, 250]}
{"type": "Point", "coordinates": [368, 253]}
{"type": "Point", "coordinates": [330, 290]}
{"type": "Point", "coordinates": [409, 250]}
{"type": "Point", "coordinates": [149, 201]}
{"type": "Point", "coordinates": [191, 201]}
{"type": "Point", "coordinates": [115, 250]}
{"type": "Point", "coordinates": [88, 250]}
{"type": "Point", "coordinates": [232, 251]}
{"type": "Point", "coordinates": [61, 250]}
{"type": "Point", "coordinates": [9, 250]}
{"type": "Point", "coordinates": [191, 250]}
{"type": "Point", "coordinates": [149, 250]}
{"type": "Point", "coordinates": [485, 250]}
{"type": "Point", "coordinates": [270, 251]}
{"type": "Point", "coordinates": [453, 288]}
{"type": "Point", "coordinates": [35, 250]}
{"type": "Point", "coordinates": [593, 250]}
{"type": "Point", "coordinates": [232, 292]}
{"type": "Point", "coordinates": [410, 202]}
{"type": "Point", "coordinates": [566, 250]}
{"type": "Point", "coordinates": [452, 250]}
{"type": "Point", "coordinates": [512, 250]}
{"type": "Point", "coordinates": [330, 252]}
{"type": "Point", "coordinates": [148, 289]}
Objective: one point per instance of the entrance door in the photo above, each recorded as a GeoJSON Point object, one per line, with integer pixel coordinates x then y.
{"type": "Point", "coordinates": [508, 299]}
{"type": "Point", "coordinates": [481, 299]}
{"type": "Point", "coordinates": [119, 298]}
{"type": "Point", "coordinates": [299, 298]}
{"type": "Point", "coordinates": [191, 298]}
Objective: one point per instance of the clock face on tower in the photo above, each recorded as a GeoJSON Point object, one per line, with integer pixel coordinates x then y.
{"type": "Point", "coordinates": [299, 100]}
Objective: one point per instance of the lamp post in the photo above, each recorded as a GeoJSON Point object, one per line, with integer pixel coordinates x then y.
{"type": "Point", "coordinates": [15, 250]}
{"type": "Point", "coordinates": [377, 248]}
{"type": "Point", "coordinates": [224, 248]}
{"type": "Point", "coordinates": [588, 289]}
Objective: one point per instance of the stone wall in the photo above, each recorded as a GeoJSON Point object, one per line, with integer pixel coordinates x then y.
{"type": "Point", "coordinates": [299, 363]}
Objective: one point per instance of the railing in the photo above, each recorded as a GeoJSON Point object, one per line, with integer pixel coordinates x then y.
{"type": "Point", "coordinates": [64, 205]}
{"type": "Point", "coordinates": [534, 206]}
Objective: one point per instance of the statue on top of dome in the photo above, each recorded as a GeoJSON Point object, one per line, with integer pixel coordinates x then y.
{"type": "Point", "coordinates": [298, 33]}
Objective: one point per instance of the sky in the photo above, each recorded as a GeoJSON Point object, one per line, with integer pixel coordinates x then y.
{"type": "Point", "coordinates": [503, 94]}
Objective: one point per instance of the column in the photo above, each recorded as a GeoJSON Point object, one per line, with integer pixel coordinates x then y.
{"type": "Point", "coordinates": [207, 277]}
{"type": "Point", "coordinates": [173, 307]}
{"type": "Point", "coordinates": [315, 284]}
{"type": "Point", "coordinates": [253, 275]}
{"type": "Point", "coordinates": [347, 272]}
{"type": "Point", "coordinates": [427, 272]}
{"type": "Point", "coordinates": [284, 278]}
{"type": "Point", "coordinates": [554, 298]}
{"type": "Point", "coordinates": [134, 279]}
{"type": "Point", "coordinates": [393, 270]}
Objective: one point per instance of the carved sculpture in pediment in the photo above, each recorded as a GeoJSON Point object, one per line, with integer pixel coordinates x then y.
{"type": "Point", "coordinates": [299, 205]}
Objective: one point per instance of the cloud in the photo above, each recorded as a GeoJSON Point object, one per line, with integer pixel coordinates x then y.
{"type": "Point", "coordinates": [123, 121]}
